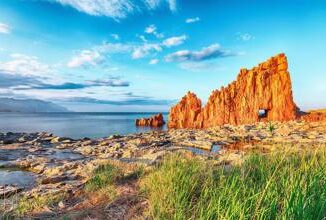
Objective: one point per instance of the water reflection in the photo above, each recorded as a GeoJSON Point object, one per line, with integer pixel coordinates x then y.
{"type": "Point", "coordinates": [198, 151]}
{"type": "Point", "coordinates": [18, 178]}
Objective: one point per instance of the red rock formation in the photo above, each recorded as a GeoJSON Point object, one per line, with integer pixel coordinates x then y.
{"type": "Point", "coordinates": [154, 121]}
{"type": "Point", "coordinates": [314, 116]}
{"type": "Point", "coordinates": [266, 87]}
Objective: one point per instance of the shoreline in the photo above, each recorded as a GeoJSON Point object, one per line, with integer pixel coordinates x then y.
{"type": "Point", "coordinates": [65, 165]}
{"type": "Point", "coordinates": [75, 125]}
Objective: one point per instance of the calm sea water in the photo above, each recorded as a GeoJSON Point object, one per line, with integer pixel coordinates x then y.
{"type": "Point", "coordinates": [75, 125]}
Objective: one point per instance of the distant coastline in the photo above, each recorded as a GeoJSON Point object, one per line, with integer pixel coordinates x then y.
{"type": "Point", "coordinates": [29, 105]}
{"type": "Point", "coordinates": [90, 113]}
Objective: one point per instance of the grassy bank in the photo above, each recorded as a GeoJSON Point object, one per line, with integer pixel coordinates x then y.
{"type": "Point", "coordinates": [277, 186]}
{"type": "Point", "coordinates": [283, 185]}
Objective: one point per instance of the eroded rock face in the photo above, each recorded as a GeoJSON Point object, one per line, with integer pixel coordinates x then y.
{"type": "Point", "coordinates": [263, 93]}
{"type": "Point", "coordinates": [154, 121]}
{"type": "Point", "coordinates": [314, 116]}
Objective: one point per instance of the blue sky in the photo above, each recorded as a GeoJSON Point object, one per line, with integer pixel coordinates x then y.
{"type": "Point", "coordinates": [143, 55]}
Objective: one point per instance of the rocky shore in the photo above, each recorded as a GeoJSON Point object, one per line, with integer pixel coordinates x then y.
{"type": "Point", "coordinates": [154, 121]}
{"type": "Point", "coordinates": [41, 164]}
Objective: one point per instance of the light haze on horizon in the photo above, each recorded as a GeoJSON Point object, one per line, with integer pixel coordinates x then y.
{"type": "Point", "coordinates": [144, 55]}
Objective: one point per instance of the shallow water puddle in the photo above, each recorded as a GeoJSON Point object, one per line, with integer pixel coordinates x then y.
{"type": "Point", "coordinates": [215, 149]}
{"type": "Point", "coordinates": [4, 163]}
{"type": "Point", "coordinates": [17, 178]}
{"type": "Point", "coordinates": [66, 155]}
{"type": "Point", "coordinates": [12, 154]}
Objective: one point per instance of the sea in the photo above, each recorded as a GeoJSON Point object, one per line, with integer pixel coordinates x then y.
{"type": "Point", "coordinates": [76, 124]}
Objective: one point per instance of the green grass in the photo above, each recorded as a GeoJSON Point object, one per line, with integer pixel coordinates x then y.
{"type": "Point", "coordinates": [26, 205]}
{"type": "Point", "coordinates": [276, 186]}
{"type": "Point", "coordinates": [113, 174]}
{"type": "Point", "coordinates": [103, 176]}
{"type": "Point", "coordinates": [107, 178]}
{"type": "Point", "coordinates": [271, 128]}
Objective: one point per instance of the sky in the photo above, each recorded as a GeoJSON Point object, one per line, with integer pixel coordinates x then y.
{"type": "Point", "coordinates": [144, 55]}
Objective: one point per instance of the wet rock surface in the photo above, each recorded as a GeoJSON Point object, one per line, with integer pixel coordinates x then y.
{"type": "Point", "coordinates": [53, 165]}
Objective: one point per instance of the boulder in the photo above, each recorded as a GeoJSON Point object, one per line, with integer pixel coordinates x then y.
{"type": "Point", "coordinates": [11, 138]}
{"type": "Point", "coordinates": [263, 93]}
{"type": "Point", "coordinates": [154, 121]}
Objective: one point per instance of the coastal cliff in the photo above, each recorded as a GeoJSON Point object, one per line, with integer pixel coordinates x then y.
{"type": "Point", "coordinates": [263, 93]}
{"type": "Point", "coordinates": [29, 106]}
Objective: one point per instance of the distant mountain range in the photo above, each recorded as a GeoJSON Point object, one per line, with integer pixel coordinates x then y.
{"type": "Point", "coordinates": [29, 106]}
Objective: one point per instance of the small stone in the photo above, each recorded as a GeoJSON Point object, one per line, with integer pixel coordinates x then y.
{"type": "Point", "coordinates": [115, 136]}
{"type": "Point", "coordinates": [61, 205]}
{"type": "Point", "coordinates": [55, 179]}
{"type": "Point", "coordinates": [61, 139]}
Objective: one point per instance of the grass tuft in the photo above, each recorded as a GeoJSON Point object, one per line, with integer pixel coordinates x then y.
{"type": "Point", "coordinates": [275, 186]}
{"type": "Point", "coordinates": [27, 205]}
{"type": "Point", "coordinates": [107, 178]}
{"type": "Point", "coordinates": [103, 176]}
{"type": "Point", "coordinates": [271, 128]}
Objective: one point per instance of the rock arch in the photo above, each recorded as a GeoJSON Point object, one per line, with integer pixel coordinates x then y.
{"type": "Point", "coordinates": [267, 86]}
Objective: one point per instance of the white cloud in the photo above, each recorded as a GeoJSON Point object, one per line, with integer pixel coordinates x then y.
{"type": "Point", "coordinates": [192, 20]}
{"type": "Point", "coordinates": [153, 61]}
{"type": "Point", "coordinates": [24, 65]}
{"type": "Point", "coordinates": [143, 38]}
{"type": "Point", "coordinates": [152, 29]}
{"type": "Point", "coordinates": [85, 58]}
{"type": "Point", "coordinates": [110, 8]}
{"type": "Point", "coordinates": [4, 29]}
{"type": "Point", "coordinates": [116, 9]}
{"type": "Point", "coordinates": [115, 36]}
{"type": "Point", "coordinates": [211, 52]}
{"type": "Point", "coordinates": [173, 5]}
{"type": "Point", "coordinates": [111, 48]}
{"type": "Point", "coordinates": [144, 50]}
{"type": "Point", "coordinates": [95, 55]}
{"type": "Point", "coordinates": [198, 67]}
{"type": "Point", "coordinates": [244, 36]}
{"type": "Point", "coordinates": [152, 4]}
{"type": "Point", "coordinates": [174, 41]}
